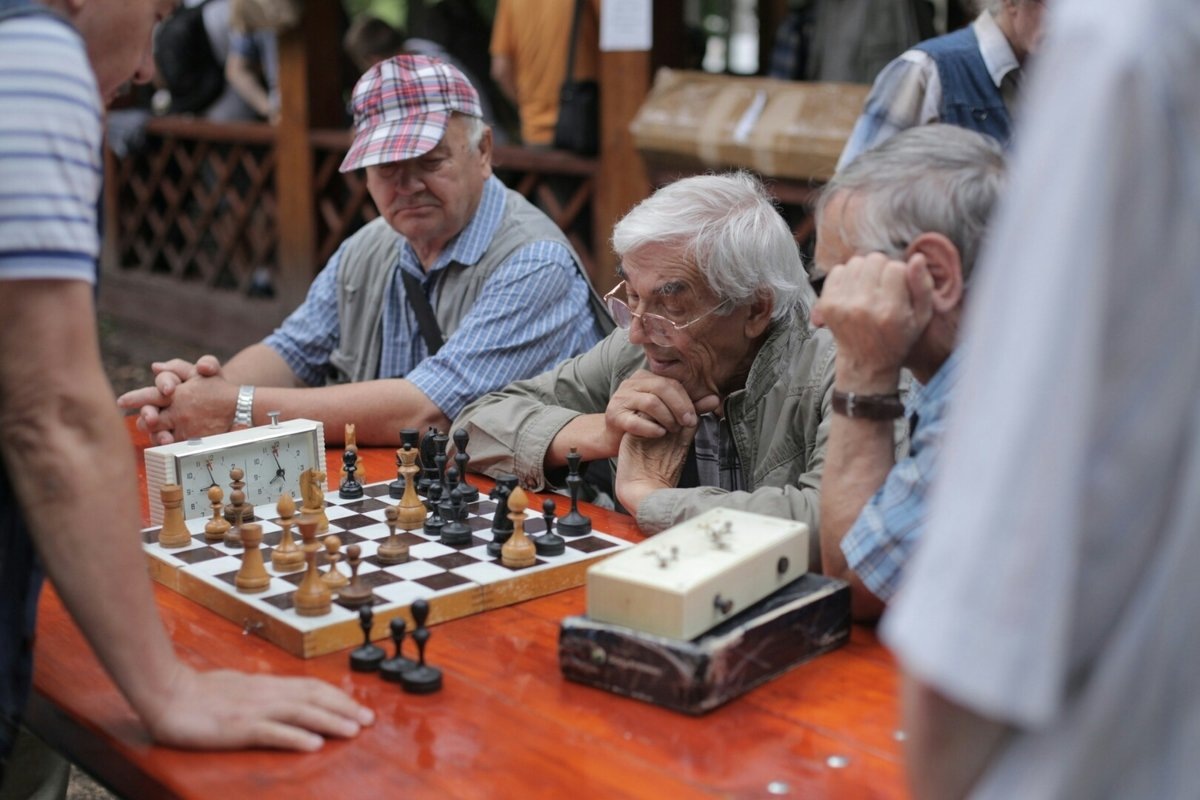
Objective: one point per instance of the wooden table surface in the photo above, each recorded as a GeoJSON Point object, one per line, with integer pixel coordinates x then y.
{"type": "Point", "coordinates": [506, 724]}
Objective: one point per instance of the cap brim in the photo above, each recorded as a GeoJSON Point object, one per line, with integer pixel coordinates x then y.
{"type": "Point", "coordinates": [396, 141]}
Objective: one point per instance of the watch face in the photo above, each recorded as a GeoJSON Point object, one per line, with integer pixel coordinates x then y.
{"type": "Point", "coordinates": [269, 467]}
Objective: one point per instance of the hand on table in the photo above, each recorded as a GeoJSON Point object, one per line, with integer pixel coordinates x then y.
{"type": "Point", "coordinates": [227, 710]}
{"type": "Point", "coordinates": [646, 465]}
{"type": "Point", "coordinates": [876, 308]}
{"type": "Point", "coordinates": [186, 400]}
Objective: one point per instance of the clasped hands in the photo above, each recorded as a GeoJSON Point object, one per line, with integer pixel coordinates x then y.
{"type": "Point", "coordinates": [186, 400]}
{"type": "Point", "coordinates": [876, 308]}
{"type": "Point", "coordinates": [651, 421]}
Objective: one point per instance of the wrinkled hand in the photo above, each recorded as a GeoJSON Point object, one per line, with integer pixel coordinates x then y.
{"type": "Point", "coordinates": [186, 400]}
{"type": "Point", "coordinates": [646, 465]}
{"type": "Point", "coordinates": [876, 308]}
{"type": "Point", "coordinates": [652, 406]}
{"type": "Point", "coordinates": [226, 710]}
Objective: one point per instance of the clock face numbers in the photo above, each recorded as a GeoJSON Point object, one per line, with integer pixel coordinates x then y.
{"type": "Point", "coordinates": [269, 468]}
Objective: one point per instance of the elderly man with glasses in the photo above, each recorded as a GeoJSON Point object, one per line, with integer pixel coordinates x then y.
{"type": "Point", "coordinates": [713, 391]}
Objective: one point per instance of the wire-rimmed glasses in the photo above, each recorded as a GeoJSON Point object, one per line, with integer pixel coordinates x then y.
{"type": "Point", "coordinates": [659, 329]}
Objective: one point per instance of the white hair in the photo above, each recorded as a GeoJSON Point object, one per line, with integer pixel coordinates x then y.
{"type": "Point", "coordinates": [728, 226]}
{"type": "Point", "coordinates": [932, 178]}
{"type": "Point", "coordinates": [475, 126]}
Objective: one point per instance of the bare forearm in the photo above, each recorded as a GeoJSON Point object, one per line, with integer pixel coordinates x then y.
{"type": "Point", "coordinates": [245, 83]}
{"type": "Point", "coordinates": [948, 746]}
{"type": "Point", "coordinates": [259, 365]}
{"type": "Point", "coordinates": [588, 434]}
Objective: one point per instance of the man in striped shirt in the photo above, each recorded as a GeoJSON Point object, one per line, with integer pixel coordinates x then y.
{"type": "Point", "coordinates": [68, 495]}
{"type": "Point", "coordinates": [497, 277]}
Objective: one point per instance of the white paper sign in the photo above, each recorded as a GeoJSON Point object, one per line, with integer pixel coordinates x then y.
{"type": "Point", "coordinates": [625, 25]}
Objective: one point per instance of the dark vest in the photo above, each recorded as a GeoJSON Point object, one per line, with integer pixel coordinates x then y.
{"type": "Point", "coordinates": [970, 99]}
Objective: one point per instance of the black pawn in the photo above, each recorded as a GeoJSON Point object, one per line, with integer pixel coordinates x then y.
{"type": "Point", "coordinates": [461, 459]}
{"type": "Point", "coordinates": [574, 523]}
{"type": "Point", "coordinates": [448, 489]}
{"type": "Point", "coordinates": [549, 543]}
{"type": "Point", "coordinates": [502, 527]}
{"type": "Point", "coordinates": [350, 489]}
{"type": "Point", "coordinates": [435, 521]}
{"type": "Point", "coordinates": [368, 657]}
{"type": "Point", "coordinates": [392, 668]}
{"type": "Point", "coordinates": [421, 679]}
{"type": "Point", "coordinates": [396, 487]}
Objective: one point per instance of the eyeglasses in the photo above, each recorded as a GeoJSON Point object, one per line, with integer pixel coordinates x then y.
{"type": "Point", "coordinates": [659, 330]}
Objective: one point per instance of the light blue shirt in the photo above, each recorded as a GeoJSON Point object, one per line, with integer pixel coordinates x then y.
{"type": "Point", "coordinates": [881, 540]}
{"type": "Point", "coordinates": [532, 313]}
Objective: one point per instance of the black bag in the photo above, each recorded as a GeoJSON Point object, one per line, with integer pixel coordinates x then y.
{"type": "Point", "coordinates": [578, 125]}
{"type": "Point", "coordinates": [185, 61]}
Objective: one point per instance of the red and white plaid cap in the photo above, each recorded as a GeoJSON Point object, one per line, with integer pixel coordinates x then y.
{"type": "Point", "coordinates": [401, 107]}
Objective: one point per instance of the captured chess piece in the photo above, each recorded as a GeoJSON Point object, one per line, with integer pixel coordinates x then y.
{"type": "Point", "coordinates": [461, 459]}
{"type": "Point", "coordinates": [501, 524]}
{"type": "Point", "coordinates": [456, 532]}
{"type": "Point", "coordinates": [549, 543]}
{"type": "Point", "coordinates": [214, 529]}
{"type": "Point", "coordinates": [421, 679]}
{"type": "Point", "coordinates": [252, 576]}
{"type": "Point", "coordinates": [286, 557]}
{"type": "Point", "coordinates": [236, 484]}
{"type": "Point", "coordinates": [574, 523]}
{"type": "Point", "coordinates": [518, 551]}
{"type": "Point", "coordinates": [242, 514]}
{"type": "Point", "coordinates": [394, 667]}
{"type": "Point", "coordinates": [368, 657]}
{"type": "Point", "coordinates": [312, 492]}
{"type": "Point", "coordinates": [333, 577]}
{"type": "Point", "coordinates": [174, 532]}
{"type": "Point", "coordinates": [350, 489]}
{"type": "Point", "coordinates": [313, 597]}
{"type": "Point", "coordinates": [355, 593]}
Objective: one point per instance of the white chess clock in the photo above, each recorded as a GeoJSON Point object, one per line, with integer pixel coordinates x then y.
{"type": "Point", "coordinates": [271, 457]}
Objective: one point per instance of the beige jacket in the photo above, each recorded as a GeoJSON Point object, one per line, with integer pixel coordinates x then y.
{"type": "Point", "coordinates": [780, 424]}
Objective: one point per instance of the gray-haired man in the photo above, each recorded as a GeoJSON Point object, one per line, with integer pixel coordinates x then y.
{"type": "Point", "coordinates": [898, 231]}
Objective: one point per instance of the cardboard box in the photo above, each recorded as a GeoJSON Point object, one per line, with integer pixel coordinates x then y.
{"type": "Point", "coordinates": [694, 121]}
{"type": "Point", "coordinates": [808, 617]}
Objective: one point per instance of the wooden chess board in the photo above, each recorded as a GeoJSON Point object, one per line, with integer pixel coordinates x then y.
{"type": "Point", "coordinates": [456, 581]}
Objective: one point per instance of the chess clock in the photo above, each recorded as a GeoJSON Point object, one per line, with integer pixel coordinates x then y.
{"type": "Point", "coordinates": [271, 457]}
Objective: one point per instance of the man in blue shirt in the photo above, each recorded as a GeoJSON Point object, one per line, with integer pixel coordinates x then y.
{"type": "Point", "coordinates": [68, 494]}
{"type": "Point", "coordinates": [501, 280]}
{"type": "Point", "coordinates": [898, 231]}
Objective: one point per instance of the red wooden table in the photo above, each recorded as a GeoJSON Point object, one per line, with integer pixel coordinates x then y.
{"type": "Point", "coordinates": [506, 724]}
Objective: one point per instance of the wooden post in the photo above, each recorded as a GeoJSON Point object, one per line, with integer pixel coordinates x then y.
{"type": "Point", "coordinates": [310, 97]}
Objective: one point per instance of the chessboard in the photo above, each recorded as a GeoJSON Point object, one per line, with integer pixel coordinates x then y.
{"type": "Point", "coordinates": [456, 581]}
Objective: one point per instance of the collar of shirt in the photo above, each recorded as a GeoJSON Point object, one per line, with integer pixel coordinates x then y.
{"type": "Point", "coordinates": [471, 242]}
{"type": "Point", "coordinates": [925, 399]}
{"type": "Point", "coordinates": [998, 55]}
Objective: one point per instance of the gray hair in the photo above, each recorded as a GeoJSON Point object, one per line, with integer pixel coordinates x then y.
{"type": "Point", "coordinates": [475, 126]}
{"type": "Point", "coordinates": [728, 226]}
{"type": "Point", "coordinates": [929, 179]}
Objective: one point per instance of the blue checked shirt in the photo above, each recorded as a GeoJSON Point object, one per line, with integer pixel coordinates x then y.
{"type": "Point", "coordinates": [532, 313]}
{"type": "Point", "coordinates": [880, 541]}
{"type": "Point", "coordinates": [908, 91]}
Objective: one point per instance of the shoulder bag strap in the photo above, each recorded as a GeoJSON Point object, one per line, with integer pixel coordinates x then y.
{"type": "Point", "coordinates": [430, 331]}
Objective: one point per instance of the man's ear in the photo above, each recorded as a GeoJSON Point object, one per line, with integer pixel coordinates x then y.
{"type": "Point", "coordinates": [945, 268]}
{"type": "Point", "coordinates": [759, 316]}
{"type": "Point", "coordinates": [485, 151]}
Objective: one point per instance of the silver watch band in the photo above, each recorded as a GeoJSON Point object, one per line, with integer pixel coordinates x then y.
{"type": "Point", "coordinates": [243, 413]}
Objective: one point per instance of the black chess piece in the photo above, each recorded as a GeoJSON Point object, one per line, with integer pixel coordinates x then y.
{"type": "Point", "coordinates": [350, 489]}
{"type": "Point", "coordinates": [448, 487]}
{"type": "Point", "coordinates": [456, 532]}
{"type": "Point", "coordinates": [392, 668]}
{"type": "Point", "coordinates": [428, 451]}
{"type": "Point", "coordinates": [502, 527]}
{"type": "Point", "coordinates": [435, 521]}
{"type": "Point", "coordinates": [439, 467]}
{"type": "Point", "coordinates": [461, 459]}
{"type": "Point", "coordinates": [368, 657]}
{"type": "Point", "coordinates": [396, 487]}
{"type": "Point", "coordinates": [574, 523]}
{"type": "Point", "coordinates": [549, 543]}
{"type": "Point", "coordinates": [422, 679]}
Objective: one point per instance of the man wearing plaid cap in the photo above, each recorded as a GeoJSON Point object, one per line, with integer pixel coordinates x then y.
{"type": "Point", "coordinates": [504, 286]}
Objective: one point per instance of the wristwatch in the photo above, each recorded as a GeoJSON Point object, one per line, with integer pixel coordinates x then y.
{"type": "Point", "coordinates": [243, 412]}
{"type": "Point", "coordinates": [868, 406]}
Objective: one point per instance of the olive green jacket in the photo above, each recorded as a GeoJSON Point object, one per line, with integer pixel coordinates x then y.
{"type": "Point", "coordinates": [779, 421]}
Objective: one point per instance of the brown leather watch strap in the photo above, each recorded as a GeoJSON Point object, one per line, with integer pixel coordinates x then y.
{"type": "Point", "coordinates": [868, 406]}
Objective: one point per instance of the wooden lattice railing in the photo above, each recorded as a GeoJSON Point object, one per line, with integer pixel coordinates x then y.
{"type": "Point", "coordinates": [193, 228]}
